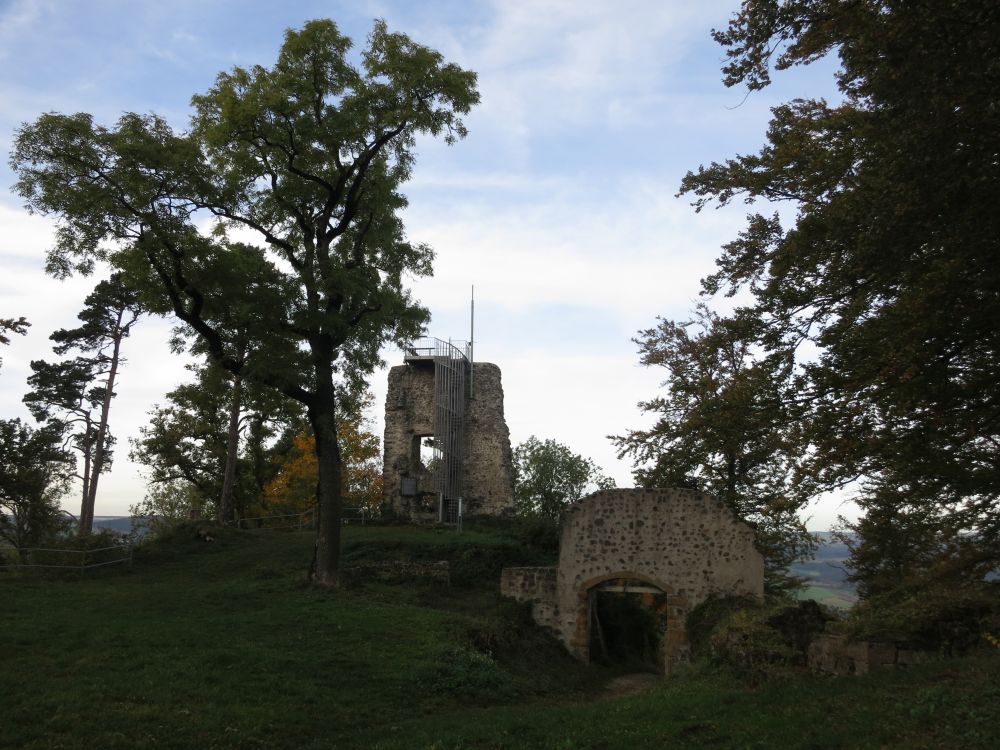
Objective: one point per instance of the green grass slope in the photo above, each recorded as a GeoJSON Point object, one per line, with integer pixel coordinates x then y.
{"type": "Point", "coordinates": [223, 645]}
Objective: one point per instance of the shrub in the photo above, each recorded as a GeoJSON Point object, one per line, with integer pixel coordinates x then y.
{"type": "Point", "coordinates": [467, 674]}
{"type": "Point", "coordinates": [173, 539]}
{"type": "Point", "coordinates": [939, 615]}
{"type": "Point", "coordinates": [758, 641]}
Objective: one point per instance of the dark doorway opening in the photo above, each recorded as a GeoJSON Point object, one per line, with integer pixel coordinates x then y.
{"type": "Point", "coordinates": [628, 620]}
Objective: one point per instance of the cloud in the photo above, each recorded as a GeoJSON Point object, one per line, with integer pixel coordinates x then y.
{"type": "Point", "coordinates": [630, 248]}
{"type": "Point", "coordinates": [19, 17]}
{"type": "Point", "coordinates": [548, 66]}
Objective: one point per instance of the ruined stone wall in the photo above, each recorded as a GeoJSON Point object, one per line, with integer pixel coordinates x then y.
{"type": "Point", "coordinates": [684, 543]}
{"type": "Point", "coordinates": [835, 654]}
{"type": "Point", "coordinates": [409, 412]}
{"type": "Point", "coordinates": [535, 585]}
{"type": "Point", "coordinates": [489, 463]}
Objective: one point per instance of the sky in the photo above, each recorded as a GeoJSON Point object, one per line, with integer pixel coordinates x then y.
{"type": "Point", "coordinates": [560, 206]}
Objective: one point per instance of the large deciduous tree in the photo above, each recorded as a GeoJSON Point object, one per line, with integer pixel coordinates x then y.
{"type": "Point", "coordinates": [76, 394]}
{"type": "Point", "coordinates": [889, 270]}
{"type": "Point", "coordinates": [293, 487]}
{"type": "Point", "coordinates": [725, 424]}
{"type": "Point", "coordinates": [308, 156]}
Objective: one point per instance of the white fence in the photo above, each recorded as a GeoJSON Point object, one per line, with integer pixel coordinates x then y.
{"type": "Point", "coordinates": [82, 560]}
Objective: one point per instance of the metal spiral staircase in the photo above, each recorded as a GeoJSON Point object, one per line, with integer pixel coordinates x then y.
{"type": "Point", "coordinates": [452, 368]}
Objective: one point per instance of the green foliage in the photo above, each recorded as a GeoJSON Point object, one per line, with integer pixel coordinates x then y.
{"type": "Point", "coordinates": [308, 155]}
{"type": "Point", "coordinates": [169, 540]}
{"type": "Point", "coordinates": [475, 558]}
{"type": "Point", "coordinates": [901, 544]}
{"type": "Point", "coordinates": [725, 425]}
{"type": "Point", "coordinates": [468, 675]}
{"type": "Point", "coordinates": [548, 476]}
{"type": "Point", "coordinates": [533, 530]}
{"type": "Point", "coordinates": [702, 621]}
{"type": "Point", "coordinates": [12, 325]}
{"type": "Point", "coordinates": [65, 554]}
{"type": "Point", "coordinates": [883, 289]}
{"type": "Point", "coordinates": [934, 614]}
{"type": "Point", "coordinates": [184, 446]}
{"type": "Point", "coordinates": [738, 635]}
{"type": "Point", "coordinates": [165, 504]}
{"type": "Point", "coordinates": [35, 471]}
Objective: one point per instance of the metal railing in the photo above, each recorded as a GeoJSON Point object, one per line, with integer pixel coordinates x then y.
{"type": "Point", "coordinates": [304, 520]}
{"type": "Point", "coordinates": [430, 347]}
{"type": "Point", "coordinates": [75, 559]}
{"type": "Point", "coordinates": [298, 521]}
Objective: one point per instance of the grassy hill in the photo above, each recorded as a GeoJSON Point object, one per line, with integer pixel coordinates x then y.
{"type": "Point", "coordinates": [222, 645]}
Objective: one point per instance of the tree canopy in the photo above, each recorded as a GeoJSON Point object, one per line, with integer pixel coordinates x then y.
{"type": "Point", "coordinates": [885, 289]}
{"type": "Point", "coordinates": [75, 394]}
{"type": "Point", "coordinates": [186, 444]}
{"type": "Point", "coordinates": [548, 476]}
{"type": "Point", "coordinates": [292, 489]}
{"type": "Point", "coordinates": [725, 425]}
{"type": "Point", "coordinates": [307, 156]}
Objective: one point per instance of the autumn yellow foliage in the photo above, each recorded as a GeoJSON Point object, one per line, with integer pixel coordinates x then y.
{"type": "Point", "coordinates": [293, 489]}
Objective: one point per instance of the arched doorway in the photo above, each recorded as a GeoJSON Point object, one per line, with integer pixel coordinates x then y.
{"type": "Point", "coordinates": [628, 619]}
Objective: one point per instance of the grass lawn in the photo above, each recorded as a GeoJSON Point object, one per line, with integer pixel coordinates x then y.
{"type": "Point", "coordinates": [223, 645]}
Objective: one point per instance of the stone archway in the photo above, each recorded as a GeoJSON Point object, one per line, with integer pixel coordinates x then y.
{"type": "Point", "coordinates": [682, 542]}
{"type": "Point", "coordinates": [674, 647]}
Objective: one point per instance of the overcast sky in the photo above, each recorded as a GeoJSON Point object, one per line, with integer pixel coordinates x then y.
{"type": "Point", "coordinates": [559, 207]}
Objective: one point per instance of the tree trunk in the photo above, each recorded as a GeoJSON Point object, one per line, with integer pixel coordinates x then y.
{"type": "Point", "coordinates": [232, 453]}
{"type": "Point", "coordinates": [87, 515]}
{"type": "Point", "coordinates": [88, 453]}
{"type": "Point", "coordinates": [322, 417]}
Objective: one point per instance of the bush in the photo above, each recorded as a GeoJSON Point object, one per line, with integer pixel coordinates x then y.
{"type": "Point", "coordinates": [172, 539]}
{"type": "Point", "coordinates": [467, 674]}
{"type": "Point", "coordinates": [68, 552]}
{"type": "Point", "coordinates": [702, 621]}
{"type": "Point", "coordinates": [531, 529]}
{"type": "Point", "coordinates": [758, 641]}
{"type": "Point", "coordinates": [937, 615]}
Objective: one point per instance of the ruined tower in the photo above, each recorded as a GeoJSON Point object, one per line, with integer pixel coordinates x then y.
{"type": "Point", "coordinates": [446, 442]}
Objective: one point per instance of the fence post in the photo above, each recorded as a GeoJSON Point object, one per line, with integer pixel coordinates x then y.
{"type": "Point", "coordinates": [83, 562]}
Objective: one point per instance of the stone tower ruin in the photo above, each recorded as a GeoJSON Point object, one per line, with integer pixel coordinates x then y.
{"type": "Point", "coordinates": [447, 446]}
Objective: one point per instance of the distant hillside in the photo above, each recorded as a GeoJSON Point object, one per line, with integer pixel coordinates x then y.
{"type": "Point", "coordinates": [114, 523]}
{"type": "Point", "coordinates": [826, 573]}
